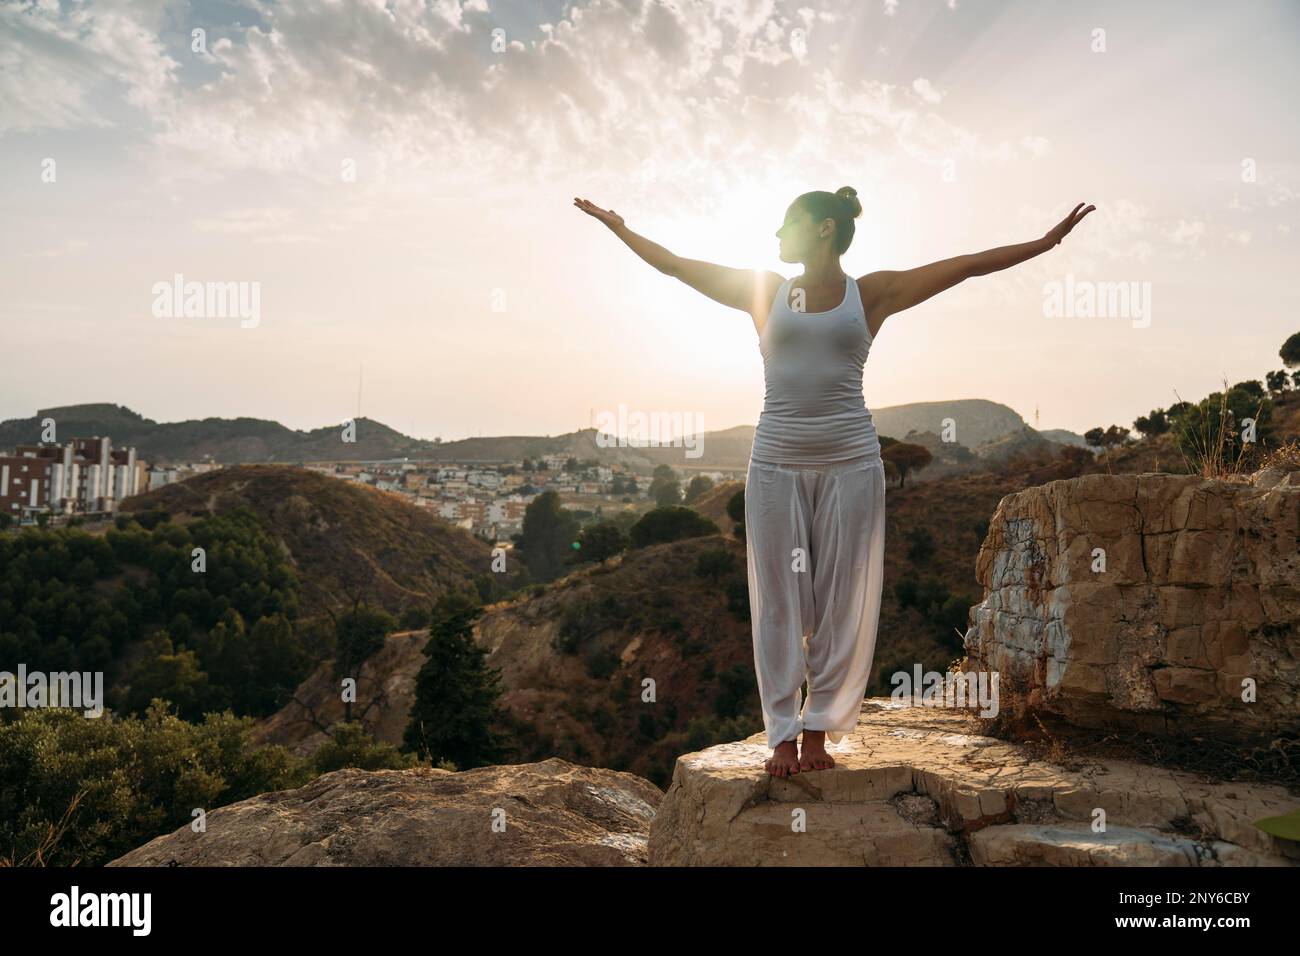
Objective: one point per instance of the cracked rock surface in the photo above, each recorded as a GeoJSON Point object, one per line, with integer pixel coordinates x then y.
{"type": "Point", "coordinates": [917, 786]}
{"type": "Point", "coordinates": [551, 813]}
{"type": "Point", "coordinates": [1147, 602]}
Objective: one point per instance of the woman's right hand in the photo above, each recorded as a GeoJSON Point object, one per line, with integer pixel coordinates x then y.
{"type": "Point", "coordinates": [608, 216]}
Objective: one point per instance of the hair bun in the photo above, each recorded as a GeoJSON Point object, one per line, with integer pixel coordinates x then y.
{"type": "Point", "coordinates": [850, 197]}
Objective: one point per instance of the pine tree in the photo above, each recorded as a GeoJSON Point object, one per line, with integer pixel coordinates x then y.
{"type": "Point", "coordinates": [456, 692]}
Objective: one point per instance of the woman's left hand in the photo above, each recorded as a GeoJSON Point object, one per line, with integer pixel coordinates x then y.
{"type": "Point", "coordinates": [1062, 228]}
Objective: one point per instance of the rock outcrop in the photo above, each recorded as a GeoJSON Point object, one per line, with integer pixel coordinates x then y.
{"type": "Point", "coordinates": [918, 786]}
{"type": "Point", "coordinates": [1197, 601]}
{"type": "Point", "coordinates": [550, 813]}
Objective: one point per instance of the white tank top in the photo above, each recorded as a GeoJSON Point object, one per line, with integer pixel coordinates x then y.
{"type": "Point", "coordinates": [813, 409]}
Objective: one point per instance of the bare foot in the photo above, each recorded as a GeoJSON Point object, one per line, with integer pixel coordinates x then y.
{"type": "Point", "coordinates": [814, 755]}
{"type": "Point", "coordinates": [784, 760]}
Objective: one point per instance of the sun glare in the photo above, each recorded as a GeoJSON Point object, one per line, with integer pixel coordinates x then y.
{"type": "Point", "coordinates": [737, 228]}
{"type": "Point", "coordinates": [743, 227]}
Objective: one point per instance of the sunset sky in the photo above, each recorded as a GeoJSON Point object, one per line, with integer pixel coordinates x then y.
{"type": "Point", "coordinates": [455, 272]}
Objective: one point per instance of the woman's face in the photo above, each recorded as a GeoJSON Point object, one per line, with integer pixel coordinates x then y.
{"type": "Point", "coordinates": [799, 234]}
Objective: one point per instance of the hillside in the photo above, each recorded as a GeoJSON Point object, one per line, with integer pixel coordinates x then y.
{"type": "Point", "coordinates": [224, 439]}
{"type": "Point", "coordinates": [255, 440]}
{"type": "Point", "coordinates": [975, 420]}
{"type": "Point", "coordinates": [1125, 715]}
{"type": "Point", "coordinates": [344, 539]}
{"type": "Point", "coordinates": [713, 504]}
{"type": "Point", "coordinates": [572, 661]}
{"type": "Point", "coordinates": [1063, 437]}
{"type": "Point", "coordinates": [573, 656]}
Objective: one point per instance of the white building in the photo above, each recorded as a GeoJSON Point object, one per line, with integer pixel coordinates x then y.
{"type": "Point", "coordinates": [84, 475]}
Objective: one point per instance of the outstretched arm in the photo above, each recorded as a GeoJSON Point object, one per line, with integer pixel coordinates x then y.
{"type": "Point", "coordinates": [744, 289]}
{"type": "Point", "coordinates": [889, 291]}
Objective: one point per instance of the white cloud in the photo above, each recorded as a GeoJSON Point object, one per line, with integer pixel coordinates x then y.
{"type": "Point", "coordinates": [1280, 193]}
{"type": "Point", "coordinates": [65, 248]}
{"type": "Point", "coordinates": [409, 86]}
{"type": "Point", "coordinates": [1036, 146]}
{"type": "Point", "coordinates": [1187, 233]}
{"type": "Point", "coordinates": [245, 222]}
{"type": "Point", "coordinates": [52, 60]}
{"type": "Point", "coordinates": [1271, 190]}
{"type": "Point", "coordinates": [925, 91]}
{"type": "Point", "coordinates": [413, 86]}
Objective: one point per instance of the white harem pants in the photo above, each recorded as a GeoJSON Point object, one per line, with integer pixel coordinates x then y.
{"type": "Point", "coordinates": [815, 537]}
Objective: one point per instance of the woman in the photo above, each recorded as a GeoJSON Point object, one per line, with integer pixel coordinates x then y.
{"type": "Point", "coordinates": [815, 489]}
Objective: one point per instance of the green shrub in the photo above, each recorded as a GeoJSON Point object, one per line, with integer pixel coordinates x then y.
{"type": "Point", "coordinates": [715, 563]}
{"type": "Point", "coordinates": [738, 598]}
{"type": "Point", "coordinates": [920, 548]}
{"type": "Point", "coordinates": [737, 691]}
{"type": "Point", "coordinates": [358, 634]}
{"type": "Point", "coordinates": [601, 662]}
{"type": "Point", "coordinates": [600, 541]}
{"type": "Point", "coordinates": [351, 745]}
{"type": "Point", "coordinates": [128, 780]}
{"type": "Point", "coordinates": [151, 519]}
{"type": "Point", "coordinates": [583, 618]}
{"type": "Point", "coordinates": [413, 618]}
{"type": "Point", "coordinates": [670, 523]}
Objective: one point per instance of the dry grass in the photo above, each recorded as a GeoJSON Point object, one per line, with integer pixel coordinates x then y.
{"type": "Point", "coordinates": [1208, 459]}
{"type": "Point", "coordinates": [50, 841]}
{"type": "Point", "coordinates": [1285, 457]}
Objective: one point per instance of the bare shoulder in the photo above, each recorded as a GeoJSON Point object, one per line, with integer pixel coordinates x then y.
{"type": "Point", "coordinates": [873, 285]}
{"type": "Point", "coordinates": [769, 283]}
{"type": "Point", "coordinates": [872, 289]}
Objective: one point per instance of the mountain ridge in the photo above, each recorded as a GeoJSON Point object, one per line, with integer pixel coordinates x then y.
{"type": "Point", "coordinates": [258, 440]}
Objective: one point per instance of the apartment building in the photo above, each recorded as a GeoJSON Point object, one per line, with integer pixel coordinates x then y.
{"type": "Point", "coordinates": [83, 475]}
{"type": "Point", "coordinates": [507, 511]}
{"type": "Point", "coordinates": [159, 477]}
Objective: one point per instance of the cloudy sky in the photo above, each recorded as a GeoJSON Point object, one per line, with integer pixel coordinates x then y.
{"type": "Point", "coordinates": [396, 178]}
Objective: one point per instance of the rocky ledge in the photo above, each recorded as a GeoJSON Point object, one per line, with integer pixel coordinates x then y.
{"type": "Point", "coordinates": [551, 813]}
{"type": "Point", "coordinates": [918, 786]}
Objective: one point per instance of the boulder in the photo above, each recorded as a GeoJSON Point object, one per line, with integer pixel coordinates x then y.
{"type": "Point", "coordinates": [1156, 603]}
{"type": "Point", "coordinates": [550, 813]}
